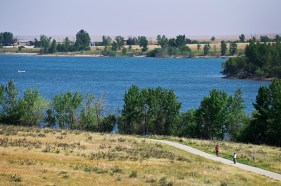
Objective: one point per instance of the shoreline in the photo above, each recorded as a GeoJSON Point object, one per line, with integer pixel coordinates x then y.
{"type": "Point", "coordinates": [99, 55]}
{"type": "Point", "coordinates": [253, 78]}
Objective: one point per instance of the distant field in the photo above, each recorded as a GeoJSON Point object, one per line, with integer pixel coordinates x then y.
{"type": "Point", "coordinates": [34, 156]}
{"type": "Point", "coordinates": [214, 51]}
{"type": "Point", "coordinates": [215, 48]}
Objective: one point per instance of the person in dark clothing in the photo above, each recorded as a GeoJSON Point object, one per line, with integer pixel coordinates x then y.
{"type": "Point", "coordinates": [217, 150]}
{"type": "Point", "coordinates": [234, 158]}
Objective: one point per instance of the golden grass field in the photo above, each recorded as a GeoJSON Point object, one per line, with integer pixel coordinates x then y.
{"type": "Point", "coordinates": [35, 156]}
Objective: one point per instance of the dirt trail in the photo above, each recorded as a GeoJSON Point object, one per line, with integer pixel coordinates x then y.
{"type": "Point", "coordinates": [222, 160]}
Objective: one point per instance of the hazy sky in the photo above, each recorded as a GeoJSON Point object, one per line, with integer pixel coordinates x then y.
{"type": "Point", "coordinates": [141, 17]}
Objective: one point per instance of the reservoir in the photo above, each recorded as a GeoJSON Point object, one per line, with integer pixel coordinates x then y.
{"type": "Point", "coordinates": [191, 79]}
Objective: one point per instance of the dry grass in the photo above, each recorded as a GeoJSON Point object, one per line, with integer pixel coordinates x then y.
{"type": "Point", "coordinates": [33, 156]}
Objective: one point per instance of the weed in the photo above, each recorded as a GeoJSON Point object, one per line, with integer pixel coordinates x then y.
{"type": "Point", "coordinates": [41, 135]}
{"type": "Point", "coordinates": [118, 178]}
{"type": "Point", "coordinates": [121, 139]}
{"type": "Point", "coordinates": [102, 146]}
{"type": "Point", "coordinates": [133, 174]}
{"type": "Point", "coordinates": [116, 169]}
{"type": "Point", "coordinates": [163, 182]}
{"type": "Point", "coordinates": [15, 178]}
{"type": "Point", "coordinates": [150, 179]}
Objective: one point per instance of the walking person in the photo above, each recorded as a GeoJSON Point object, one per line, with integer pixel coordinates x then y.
{"type": "Point", "coordinates": [217, 150]}
{"type": "Point", "coordinates": [234, 158]}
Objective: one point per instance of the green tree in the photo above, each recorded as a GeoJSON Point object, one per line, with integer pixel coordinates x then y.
{"type": "Point", "coordinates": [32, 107]}
{"type": "Point", "coordinates": [265, 39]}
{"type": "Point", "coordinates": [66, 106]}
{"type": "Point", "coordinates": [186, 126]}
{"type": "Point", "coordinates": [211, 115]}
{"type": "Point", "coordinates": [50, 118]}
{"type": "Point", "coordinates": [2, 90]}
{"type": "Point", "coordinates": [277, 38]}
{"type": "Point", "coordinates": [67, 45]}
{"type": "Point", "coordinates": [172, 42]}
{"type": "Point", "coordinates": [53, 47]}
{"type": "Point", "coordinates": [223, 48]}
{"type": "Point", "coordinates": [114, 46]}
{"type": "Point", "coordinates": [119, 42]}
{"type": "Point", "coordinates": [87, 116]}
{"type": "Point", "coordinates": [83, 40]}
{"type": "Point", "coordinates": [274, 130]}
{"type": "Point", "coordinates": [213, 39]}
{"type": "Point", "coordinates": [99, 109]}
{"type": "Point", "coordinates": [256, 132]}
{"type": "Point", "coordinates": [236, 116]}
{"type": "Point", "coordinates": [242, 38]}
{"type": "Point", "coordinates": [106, 40]}
{"type": "Point", "coordinates": [153, 111]}
{"type": "Point", "coordinates": [162, 41]}
{"type": "Point", "coordinates": [10, 106]}
{"type": "Point", "coordinates": [198, 47]}
{"type": "Point", "coordinates": [261, 61]}
{"type": "Point", "coordinates": [265, 127]}
{"type": "Point", "coordinates": [108, 123]}
{"type": "Point", "coordinates": [124, 51]}
{"type": "Point", "coordinates": [206, 49]}
{"type": "Point", "coordinates": [180, 40]}
{"type": "Point", "coordinates": [143, 43]}
{"type": "Point", "coordinates": [36, 43]}
{"type": "Point", "coordinates": [132, 41]}
{"type": "Point", "coordinates": [44, 43]}
{"type": "Point", "coordinates": [233, 48]}
{"type": "Point", "coordinates": [7, 39]}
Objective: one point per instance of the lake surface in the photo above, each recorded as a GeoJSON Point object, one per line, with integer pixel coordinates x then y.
{"type": "Point", "coordinates": [191, 79]}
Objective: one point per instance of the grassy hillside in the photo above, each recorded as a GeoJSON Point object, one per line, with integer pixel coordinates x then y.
{"type": "Point", "coordinates": [34, 156]}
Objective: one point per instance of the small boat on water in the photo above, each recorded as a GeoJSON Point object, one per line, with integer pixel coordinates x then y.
{"type": "Point", "coordinates": [21, 71]}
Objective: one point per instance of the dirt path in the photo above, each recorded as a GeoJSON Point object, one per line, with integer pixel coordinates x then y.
{"type": "Point", "coordinates": [222, 160]}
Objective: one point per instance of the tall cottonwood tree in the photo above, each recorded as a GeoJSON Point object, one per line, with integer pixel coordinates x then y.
{"type": "Point", "coordinates": [83, 40]}
{"type": "Point", "coordinates": [152, 111]}
{"type": "Point", "coordinates": [211, 115]}
{"type": "Point", "coordinates": [32, 107]}
{"type": "Point", "coordinates": [66, 106]}
{"type": "Point", "coordinates": [10, 105]}
{"type": "Point", "coordinates": [206, 49]}
{"type": "Point", "coordinates": [7, 39]}
{"type": "Point", "coordinates": [143, 43]}
{"type": "Point", "coordinates": [162, 41]}
{"type": "Point", "coordinates": [223, 48]}
{"type": "Point", "coordinates": [233, 48]}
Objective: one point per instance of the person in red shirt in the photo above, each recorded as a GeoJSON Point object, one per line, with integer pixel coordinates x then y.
{"type": "Point", "coordinates": [217, 150]}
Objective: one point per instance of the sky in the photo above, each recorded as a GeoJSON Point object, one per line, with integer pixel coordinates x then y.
{"type": "Point", "coordinates": [141, 17]}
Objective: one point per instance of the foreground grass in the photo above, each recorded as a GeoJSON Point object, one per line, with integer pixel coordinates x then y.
{"type": "Point", "coordinates": [262, 156]}
{"type": "Point", "coordinates": [34, 156]}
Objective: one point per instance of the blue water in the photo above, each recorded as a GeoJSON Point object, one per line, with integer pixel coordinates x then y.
{"type": "Point", "coordinates": [191, 79]}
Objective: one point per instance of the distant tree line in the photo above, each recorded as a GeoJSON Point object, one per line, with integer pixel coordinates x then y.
{"type": "Point", "coordinates": [47, 45]}
{"type": "Point", "coordinates": [171, 47]}
{"type": "Point", "coordinates": [261, 60]}
{"type": "Point", "coordinates": [119, 46]}
{"type": "Point", "coordinates": [151, 111]}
